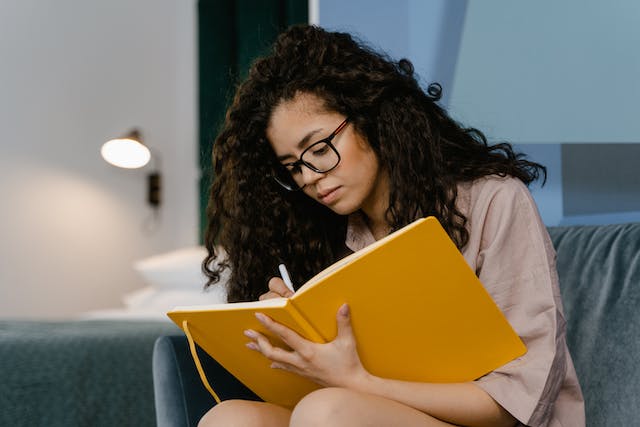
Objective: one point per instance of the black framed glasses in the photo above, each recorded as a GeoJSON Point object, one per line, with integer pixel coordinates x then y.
{"type": "Point", "coordinates": [320, 157]}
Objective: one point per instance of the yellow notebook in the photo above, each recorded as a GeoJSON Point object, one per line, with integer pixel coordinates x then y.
{"type": "Point", "coordinates": [418, 311]}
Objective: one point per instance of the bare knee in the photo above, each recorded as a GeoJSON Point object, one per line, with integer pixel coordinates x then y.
{"type": "Point", "coordinates": [325, 407]}
{"type": "Point", "coordinates": [228, 412]}
{"type": "Point", "coordinates": [232, 413]}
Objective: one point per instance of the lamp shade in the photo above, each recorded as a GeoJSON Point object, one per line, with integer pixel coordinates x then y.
{"type": "Point", "coordinates": [128, 152]}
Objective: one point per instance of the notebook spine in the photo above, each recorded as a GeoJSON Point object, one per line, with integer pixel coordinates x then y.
{"type": "Point", "coordinates": [312, 333]}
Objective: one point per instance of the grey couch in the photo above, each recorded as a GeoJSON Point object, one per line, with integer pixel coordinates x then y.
{"type": "Point", "coordinates": [599, 268]}
{"type": "Point", "coordinates": [87, 373]}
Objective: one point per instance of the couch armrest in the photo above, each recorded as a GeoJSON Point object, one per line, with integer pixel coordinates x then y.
{"type": "Point", "coordinates": [599, 271]}
{"type": "Point", "coordinates": [180, 397]}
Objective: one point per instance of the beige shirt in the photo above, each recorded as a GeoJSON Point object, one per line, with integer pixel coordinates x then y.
{"type": "Point", "coordinates": [511, 252]}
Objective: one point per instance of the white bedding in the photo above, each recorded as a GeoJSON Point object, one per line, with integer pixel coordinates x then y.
{"type": "Point", "coordinates": [151, 303]}
{"type": "Point", "coordinates": [175, 278]}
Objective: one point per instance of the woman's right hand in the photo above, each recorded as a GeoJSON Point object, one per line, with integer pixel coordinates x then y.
{"type": "Point", "coordinates": [277, 289]}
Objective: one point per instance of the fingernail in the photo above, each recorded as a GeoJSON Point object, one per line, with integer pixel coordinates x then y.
{"type": "Point", "coordinates": [250, 333]}
{"type": "Point", "coordinates": [261, 317]}
{"type": "Point", "coordinates": [344, 310]}
{"type": "Point", "coordinates": [252, 346]}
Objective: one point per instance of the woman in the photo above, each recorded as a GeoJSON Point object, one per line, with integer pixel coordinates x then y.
{"type": "Point", "coordinates": [329, 146]}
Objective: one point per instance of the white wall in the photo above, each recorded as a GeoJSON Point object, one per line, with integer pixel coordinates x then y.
{"type": "Point", "coordinates": [551, 71]}
{"type": "Point", "coordinates": [74, 73]}
{"type": "Point", "coordinates": [559, 75]}
{"type": "Point", "coordinates": [427, 32]}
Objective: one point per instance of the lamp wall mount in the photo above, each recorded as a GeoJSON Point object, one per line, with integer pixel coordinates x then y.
{"type": "Point", "coordinates": [130, 152]}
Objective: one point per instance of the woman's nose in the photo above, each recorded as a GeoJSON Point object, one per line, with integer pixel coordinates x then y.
{"type": "Point", "coordinates": [309, 176]}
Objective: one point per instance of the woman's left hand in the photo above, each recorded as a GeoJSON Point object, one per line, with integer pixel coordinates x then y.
{"type": "Point", "coordinates": [335, 363]}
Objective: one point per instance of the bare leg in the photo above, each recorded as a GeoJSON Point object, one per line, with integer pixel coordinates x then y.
{"type": "Point", "coordinates": [337, 407]}
{"type": "Point", "coordinates": [245, 413]}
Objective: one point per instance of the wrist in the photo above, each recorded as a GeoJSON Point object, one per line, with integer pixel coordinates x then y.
{"type": "Point", "coordinates": [363, 381]}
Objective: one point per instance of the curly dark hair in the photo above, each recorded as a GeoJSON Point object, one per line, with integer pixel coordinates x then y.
{"type": "Point", "coordinates": [424, 151]}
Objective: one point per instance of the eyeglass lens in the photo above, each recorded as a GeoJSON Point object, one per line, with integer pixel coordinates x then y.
{"type": "Point", "coordinates": [319, 157]}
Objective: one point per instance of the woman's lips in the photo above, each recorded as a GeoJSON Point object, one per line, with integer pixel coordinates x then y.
{"type": "Point", "coordinates": [329, 196]}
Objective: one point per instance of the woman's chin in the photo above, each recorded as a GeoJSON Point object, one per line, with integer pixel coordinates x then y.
{"type": "Point", "coordinates": [342, 208]}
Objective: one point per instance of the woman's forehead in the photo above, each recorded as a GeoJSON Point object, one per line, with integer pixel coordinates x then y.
{"type": "Point", "coordinates": [303, 111]}
{"type": "Point", "coordinates": [301, 103]}
{"type": "Point", "coordinates": [297, 121]}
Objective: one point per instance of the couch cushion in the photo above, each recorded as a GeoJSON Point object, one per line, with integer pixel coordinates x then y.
{"type": "Point", "coordinates": [599, 269]}
{"type": "Point", "coordinates": [78, 373]}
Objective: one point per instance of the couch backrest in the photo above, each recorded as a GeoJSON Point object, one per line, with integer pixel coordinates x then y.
{"type": "Point", "coordinates": [599, 269]}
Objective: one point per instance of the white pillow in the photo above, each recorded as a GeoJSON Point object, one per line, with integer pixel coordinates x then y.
{"type": "Point", "coordinates": [176, 270]}
{"type": "Point", "coordinates": [150, 300]}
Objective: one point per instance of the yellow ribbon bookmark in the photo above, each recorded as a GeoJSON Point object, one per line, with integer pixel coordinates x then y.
{"type": "Point", "coordinates": [196, 359]}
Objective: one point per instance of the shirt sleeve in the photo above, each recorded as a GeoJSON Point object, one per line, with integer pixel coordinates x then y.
{"type": "Point", "coordinates": [515, 260]}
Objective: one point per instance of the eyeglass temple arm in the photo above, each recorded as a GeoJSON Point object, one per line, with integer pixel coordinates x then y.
{"type": "Point", "coordinates": [342, 125]}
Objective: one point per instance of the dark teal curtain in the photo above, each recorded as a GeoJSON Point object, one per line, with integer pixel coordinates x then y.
{"type": "Point", "coordinates": [231, 34]}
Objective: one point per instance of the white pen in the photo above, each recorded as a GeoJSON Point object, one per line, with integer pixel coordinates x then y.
{"type": "Point", "coordinates": [285, 276]}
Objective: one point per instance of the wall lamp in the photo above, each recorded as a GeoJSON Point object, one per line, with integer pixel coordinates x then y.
{"type": "Point", "coordinates": [130, 152]}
